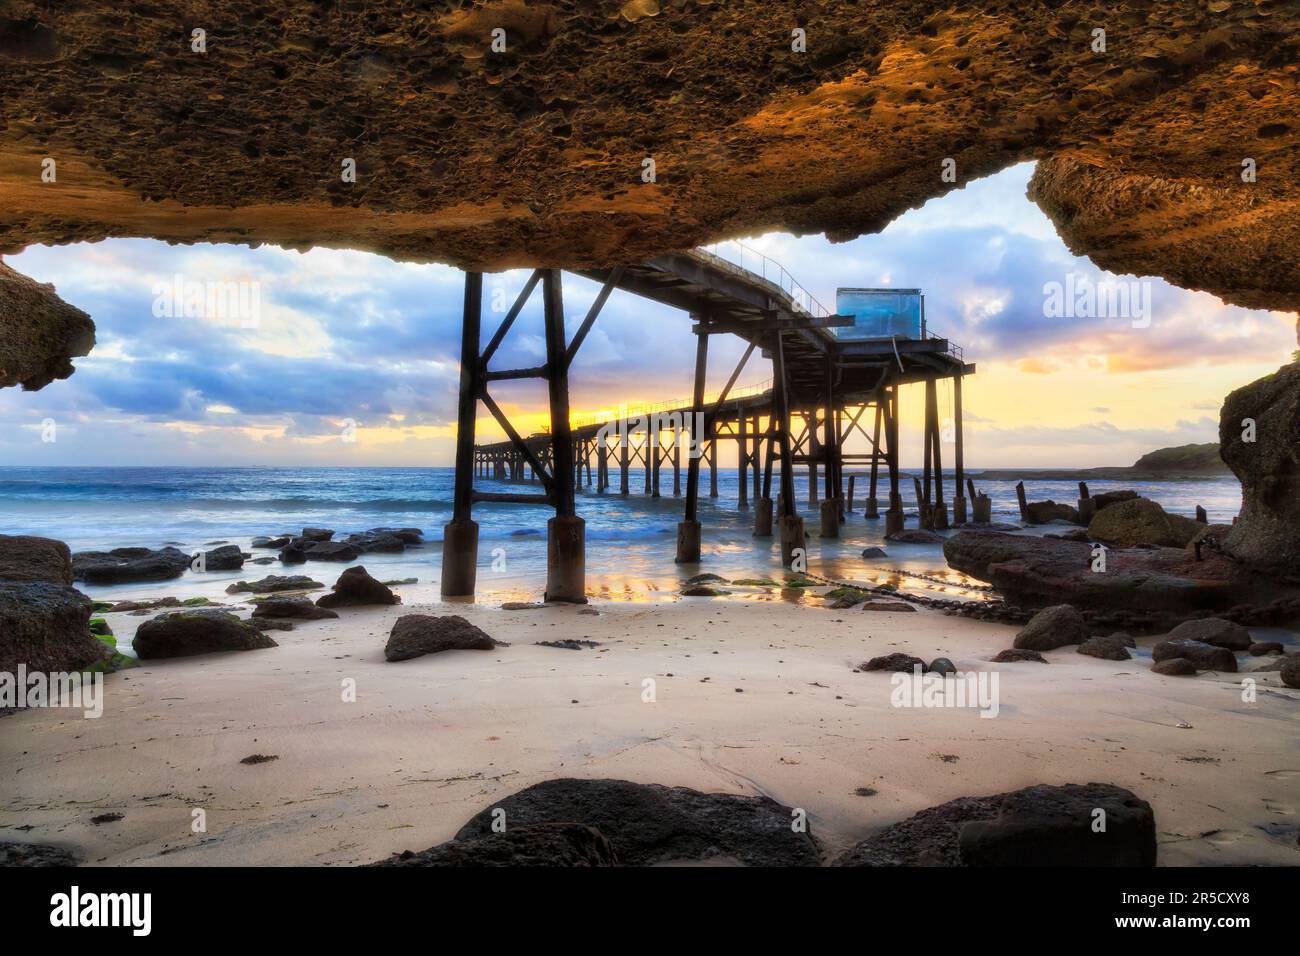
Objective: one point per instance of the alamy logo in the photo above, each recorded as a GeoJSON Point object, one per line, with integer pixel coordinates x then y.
{"type": "Point", "coordinates": [686, 428]}
{"type": "Point", "coordinates": [229, 303]}
{"type": "Point", "coordinates": [56, 689]}
{"type": "Point", "coordinates": [971, 689]}
{"type": "Point", "coordinates": [75, 908]}
{"type": "Point", "coordinates": [1081, 298]}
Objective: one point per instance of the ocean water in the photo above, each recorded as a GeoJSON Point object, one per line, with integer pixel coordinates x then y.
{"type": "Point", "coordinates": [631, 540]}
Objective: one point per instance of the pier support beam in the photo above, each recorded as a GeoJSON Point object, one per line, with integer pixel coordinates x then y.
{"type": "Point", "coordinates": [460, 535]}
{"type": "Point", "coordinates": [688, 531]}
{"type": "Point", "coordinates": [833, 505]}
{"type": "Point", "coordinates": [959, 461]}
{"type": "Point", "coordinates": [938, 510]}
{"type": "Point", "coordinates": [566, 537]}
{"type": "Point", "coordinates": [623, 453]}
{"type": "Point", "coordinates": [742, 460]}
{"type": "Point", "coordinates": [791, 525]}
{"type": "Point", "coordinates": [894, 514]}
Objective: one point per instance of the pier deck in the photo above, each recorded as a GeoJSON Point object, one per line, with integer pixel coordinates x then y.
{"type": "Point", "coordinates": [827, 383]}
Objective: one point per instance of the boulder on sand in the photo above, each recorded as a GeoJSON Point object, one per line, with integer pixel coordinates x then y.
{"type": "Point", "coordinates": [124, 565]}
{"type": "Point", "coordinates": [187, 633]}
{"type": "Point", "coordinates": [1174, 667]}
{"type": "Point", "coordinates": [1036, 826]}
{"type": "Point", "coordinates": [1216, 631]}
{"type": "Point", "coordinates": [295, 552]}
{"type": "Point", "coordinates": [291, 607]}
{"type": "Point", "coordinates": [274, 582]}
{"type": "Point", "coordinates": [1045, 512]}
{"type": "Point", "coordinates": [1052, 627]}
{"type": "Point", "coordinates": [226, 558]}
{"type": "Point", "coordinates": [1106, 648]}
{"type": "Point", "coordinates": [1267, 535]}
{"type": "Point", "coordinates": [1107, 498]}
{"type": "Point", "coordinates": [372, 541]}
{"type": "Point", "coordinates": [29, 558]}
{"type": "Point", "coordinates": [1055, 826]}
{"type": "Point", "coordinates": [1028, 569]}
{"type": "Point", "coordinates": [1291, 670]}
{"type": "Point", "coordinates": [355, 587]}
{"type": "Point", "coordinates": [898, 663]}
{"type": "Point", "coordinates": [1139, 521]}
{"type": "Point", "coordinates": [915, 536]}
{"type": "Point", "coordinates": [647, 824]}
{"type": "Point", "coordinates": [408, 535]}
{"type": "Point", "coordinates": [35, 854]}
{"type": "Point", "coordinates": [536, 844]}
{"type": "Point", "coordinates": [1205, 657]}
{"type": "Point", "coordinates": [414, 635]}
{"type": "Point", "coordinates": [300, 549]}
{"type": "Point", "coordinates": [46, 627]}
{"type": "Point", "coordinates": [1016, 655]}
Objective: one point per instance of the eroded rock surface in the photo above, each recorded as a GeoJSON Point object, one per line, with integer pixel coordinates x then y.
{"type": "Point", "coordinates": [414, 635]}
{"type": "Point", "coordinates": [355, 587]}
{"type": "Point", "coordinates": [1268, 534]}
{"type": "Point", "coordinates": [538, 844]}
{"type": "Point", "coordinates": [649, 823]}
{"type": "Point", "coordinates": [187, 633]}
{"type": "Point", "coordinates": [534, 155]}
{"type": "Point", "coordinates": [40, 334]}
{"type": "Point", "coordinates": [1036, 826]}
{"type": "Point", "coordinates": [46, 627]}
{"type": "Point", "coordinates": [1033, 570]}
{"type": "Point", "coordinates": [123, 565]}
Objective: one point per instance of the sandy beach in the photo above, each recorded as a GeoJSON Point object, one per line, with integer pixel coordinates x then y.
{"type": "Point", "coordinates": [756, 695]}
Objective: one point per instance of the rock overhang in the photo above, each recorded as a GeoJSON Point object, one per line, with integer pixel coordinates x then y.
{"type": "Point", "coordinates": [535, 155]}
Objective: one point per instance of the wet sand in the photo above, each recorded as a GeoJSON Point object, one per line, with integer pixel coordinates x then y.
{"type": "Point", "coordinates": [431, 741]}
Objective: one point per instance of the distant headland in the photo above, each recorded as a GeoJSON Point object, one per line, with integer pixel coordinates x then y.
{"type": "Point", "coordinates": [1163, 464]}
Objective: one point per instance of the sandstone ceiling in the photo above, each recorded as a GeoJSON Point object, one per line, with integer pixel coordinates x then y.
{"type": "Point", "coordinates": [534, 156]}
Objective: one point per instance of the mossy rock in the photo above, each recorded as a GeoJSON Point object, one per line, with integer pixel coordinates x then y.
{"type": "Point", "coordinates": [800, 583]}
{"type": "Point", "coordinates": [198, 602]}
{"type": "Point", "coordinates": [703, 590]}
{"type": "Point", "coordinates": [846, 593]}
{"type": "Point", "coordinates": [756, 583]}
{"type": "Point", "coordinates": [116, 661]}
{"type": "Point", "coordinates": [99, 607]}
{"type": "Point", "coordinates": [99, 627]}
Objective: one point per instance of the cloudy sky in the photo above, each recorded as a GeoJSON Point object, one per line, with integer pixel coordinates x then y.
{"type": "Point", "coordinates": [347, 358]}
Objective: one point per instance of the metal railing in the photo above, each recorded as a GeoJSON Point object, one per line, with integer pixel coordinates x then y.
{"type": "Point", "coordinates": [953, 350]}
{"type": "Point", "coordinates": [750, 262]}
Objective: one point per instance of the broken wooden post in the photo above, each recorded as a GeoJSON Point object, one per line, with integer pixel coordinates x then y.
{"type": "Point", "coordinates": [1024, 504]}
{"type": "Point", "coordinates": [1087, 505]}
{"type": "Point", "coordinates": [1201, 516]}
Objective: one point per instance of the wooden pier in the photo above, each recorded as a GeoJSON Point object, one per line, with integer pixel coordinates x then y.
{"type": "Point", "coordinates": [825, 387]}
